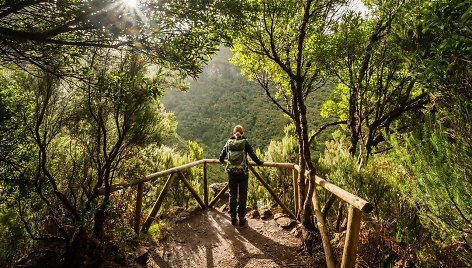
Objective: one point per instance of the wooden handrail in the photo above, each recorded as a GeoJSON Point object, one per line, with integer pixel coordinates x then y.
{"type": "Point", "coordinates": [346, 196]}
{"type": "Point", "coordinates": [252, 163]}
{"type": "Point", "coordinates": [153, 176]}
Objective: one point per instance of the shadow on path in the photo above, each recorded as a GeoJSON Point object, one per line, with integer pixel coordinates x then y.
{"type": "Point", "coordinates": [208, 239]}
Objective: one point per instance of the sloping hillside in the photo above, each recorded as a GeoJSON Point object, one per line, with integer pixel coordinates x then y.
{"type": "Point", "coordinates": [222, 98]}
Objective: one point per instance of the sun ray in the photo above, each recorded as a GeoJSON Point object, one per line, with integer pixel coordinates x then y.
{"type": "Point", "coordinates": [131, 3]}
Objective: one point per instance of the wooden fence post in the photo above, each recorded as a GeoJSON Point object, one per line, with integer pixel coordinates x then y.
{"type": "Point", "coordinates": [295, 190]}
{"type": "Point", "coordinates": [191, 190]}
{"type": "Point", "coordinates": [330, 261]}
{"type": "Point", "coordinates": [205, 184]}
{"type": "Point", "coordinates": [139, 207]}
{"type": "Point", "coordinates": [272, 193]}
{"type": "Point", "coordinates": [218, 196]}
{"type": "Point", "coordinates": [158, 204]}
{"type": "Point", "coordinates": [352, 237]}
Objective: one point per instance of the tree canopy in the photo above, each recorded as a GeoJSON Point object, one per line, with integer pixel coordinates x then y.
{"type": "Point", "coordinates": [177, 33]}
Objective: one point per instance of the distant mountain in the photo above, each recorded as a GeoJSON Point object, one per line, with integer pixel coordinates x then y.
{"type": "Point", "coordinates": [218, 100]}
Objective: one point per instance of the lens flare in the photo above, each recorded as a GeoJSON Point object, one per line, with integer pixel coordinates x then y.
{"type": "Point", "coordinates": [130, 3]}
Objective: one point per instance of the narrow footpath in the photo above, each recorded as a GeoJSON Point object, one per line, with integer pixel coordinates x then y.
{"type": "Point", "coordinates": [207, 239]}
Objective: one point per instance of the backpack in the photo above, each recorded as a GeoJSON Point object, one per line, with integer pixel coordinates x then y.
{"type": "Point", "coordinates": [236, 156]}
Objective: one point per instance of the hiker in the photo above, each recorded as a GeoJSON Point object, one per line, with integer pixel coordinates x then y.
{"type": "Point", "coordinates": [235, 151]}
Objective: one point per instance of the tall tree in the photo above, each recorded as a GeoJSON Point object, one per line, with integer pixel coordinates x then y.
{"type": "Point", "coordinates": [376, 85]}
{"type": "Point", "coordinates": [277, 49]}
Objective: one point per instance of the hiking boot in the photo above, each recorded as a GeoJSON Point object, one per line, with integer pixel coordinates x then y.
{"type": "Point", "coordinates": [242, 223]}
{"type": "Point", "coordinates": [234, 221]}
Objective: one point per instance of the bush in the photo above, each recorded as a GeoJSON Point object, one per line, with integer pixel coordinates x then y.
{"type": "Point", "coordinates": [436, 176]}
{"type": "Point", "coordinates": [13, 240]}
{"type": "Point", "coordinates": [393, 219]}
{"type": "Point", "coordinates": [158, 231]}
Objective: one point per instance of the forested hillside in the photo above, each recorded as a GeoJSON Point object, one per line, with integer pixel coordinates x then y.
{"type": "Point", "coordinates": [221, 98]}
{"type": "Point", "coordinates": [218, 100]}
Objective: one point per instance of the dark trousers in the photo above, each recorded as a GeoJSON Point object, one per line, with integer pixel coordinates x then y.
{"type": "Point", "coordinates": [237, 188]}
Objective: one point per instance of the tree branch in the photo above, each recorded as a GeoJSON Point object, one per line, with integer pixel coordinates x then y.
{"type": "Point", "coordinates": [265, 86]}
{"type": "Point", "coordinates": [18, 7]}
{"type": "Point", "coordinates": [312, 137]}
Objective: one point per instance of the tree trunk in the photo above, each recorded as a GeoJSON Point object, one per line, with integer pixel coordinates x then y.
{"type": "Point", "coordinates": [352, 121]}
{"type": "Point", "coordinates": [304, 161]}
{"type": "Point", "coordinates": [99, 222]}
{"type": "Point", "coordinates": [72, 255]}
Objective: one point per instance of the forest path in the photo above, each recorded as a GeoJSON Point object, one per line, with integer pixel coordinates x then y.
{"type": "Point", "coordinates": [207, 239]}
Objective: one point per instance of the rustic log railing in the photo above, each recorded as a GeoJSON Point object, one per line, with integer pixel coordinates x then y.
{"type": "Point", "coordinates": [357, 205]}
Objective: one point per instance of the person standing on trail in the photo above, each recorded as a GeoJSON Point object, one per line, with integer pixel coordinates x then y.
{"type": "Point", "coordinates": [235, 152]}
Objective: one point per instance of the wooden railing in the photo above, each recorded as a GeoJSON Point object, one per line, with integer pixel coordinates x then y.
{"type": "Point", "coordinates": [357, 205]}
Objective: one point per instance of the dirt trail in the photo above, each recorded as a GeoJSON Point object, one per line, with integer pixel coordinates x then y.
{"type": "Point", "coordinates": [207, 239]}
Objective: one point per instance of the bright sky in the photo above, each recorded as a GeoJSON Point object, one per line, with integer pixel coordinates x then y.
{"type": "Point", "coordinates": [130, 3]}
{"type": "Point", "coordinates": [359, 6]}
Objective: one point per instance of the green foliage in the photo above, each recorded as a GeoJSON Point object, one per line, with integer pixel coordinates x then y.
{"type": "Point", "coordinates": [76, 138]}
{"type": "Point", "coordinates": [279, 48]}
{"type": "Point", "coordinates": [438, 45]}
{"type": "Point", "coordinates": [435, 159]}
{"type": "Point", "coordinates": [13, 239]}
{"type": "Point", "coordinates": [158, 231]}
{"type": "Point", "coordinates": [120, 221]}
{"type": "Point", "coordinates": [419, 191]}
{"type": "Point", "coordinates": [338, 103]}
{"type": "Point", "coordinates": [221, 98]}
{"type": "Point", "coordinates": [176, 34]}
{"type": "Point", "coordinates": [16, 149]}
{"type": "Point", "coordinates": [284, 150]}
{"type": "Point", "coordinates": [376, 89]}
{"type": "Point", "coordinates": [435, 172]}
{"type": "Point", "coordinates": [267, 49]}
{"type": "Point", "coordinates": [438, 41]}
{"type": "Point", "coordinates": [394, 216]}
{"type": "Point", "coordinates": [339, 167]}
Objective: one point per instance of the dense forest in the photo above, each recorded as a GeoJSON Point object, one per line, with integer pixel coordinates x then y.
{"type": "Point", "coordinates": [220, 99]}
{"type": "Point", "coordinates": [95, 93]}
